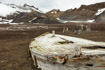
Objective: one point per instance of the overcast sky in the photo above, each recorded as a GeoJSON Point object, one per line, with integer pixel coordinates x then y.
{"type": "Point", "coordinates": [46, 5]}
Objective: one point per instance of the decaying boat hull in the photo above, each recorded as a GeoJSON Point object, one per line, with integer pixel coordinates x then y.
{"type": "Point", "coordinates": [77, 63]}
{"type": "Point", "coordinates": [48, 66]}
{"type": "Point", "coordinates": [86, 56]}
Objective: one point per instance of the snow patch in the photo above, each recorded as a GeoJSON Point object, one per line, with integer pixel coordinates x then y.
{"type": "Point", "coordinates": [100, 11]}
{"type": "Point", "coordinates": [33, 19]}
{"type": "Point", "coordinates": [6, 10]}
{"type": "Point", "coordinates": [54, 12]}
{"type": "Point", "coordinates": [90, 20]}
{"type": "Point", "coordinates": [63, 21]}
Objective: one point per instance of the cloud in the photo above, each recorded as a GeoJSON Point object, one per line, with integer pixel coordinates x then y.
{"type": "Point", "coordinates": [46, 5]}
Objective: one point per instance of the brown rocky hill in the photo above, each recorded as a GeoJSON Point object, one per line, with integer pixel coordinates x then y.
{"type": "Point", "coordinates": [32, 17]}
{"type": "Point", "coordinates": [93, 7]}
{"type": "Point", "coordinates": [85, 12]}
{"type": "Point", "coordinates": [55, 13]}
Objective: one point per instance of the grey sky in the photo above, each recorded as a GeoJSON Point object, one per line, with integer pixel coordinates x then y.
{"type": "Point", "coordinates": [46, 5]}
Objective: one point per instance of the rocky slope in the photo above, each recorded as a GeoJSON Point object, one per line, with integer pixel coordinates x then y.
{"type": "Point", "coordinates": [100, 18]}
{"type": "Point", "coordinates": [32, 17]}
{"type": "Point", "coordinates": [54, 13]}
{"type": "Point", "coordinates": [31, 14]}
{"type": "Point", "coordinates": [23, 14]}
{"type": "Point", "coordinates": [84, 13]}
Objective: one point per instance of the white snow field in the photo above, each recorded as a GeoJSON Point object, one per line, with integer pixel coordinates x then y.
{"type": "Point", "coordinates": [8, 9]}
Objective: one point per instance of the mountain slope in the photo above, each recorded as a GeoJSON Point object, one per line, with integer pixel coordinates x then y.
{"type": "Point", "coordinates": [9, 9]}
{"type": "Point", "coordinates": [101, 17]}
{"type": "Point", "coordinates": [84, 13]}
{"type": "Point", "coordinates": [54, 13]}
{"type": "Point", "coordinates": [32, 17]}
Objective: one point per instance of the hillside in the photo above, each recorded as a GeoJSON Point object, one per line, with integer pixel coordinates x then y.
{"type": "Point", "coordinates": [11, 13]}
{"type": "Point", "coordinates": [9, 9]}
{"type": "Point", "coordinates": [84, 13]}
{"type": "Point", "coordinates": [32, 17]}
{"type": "Point", "coordinates": [30, 14]}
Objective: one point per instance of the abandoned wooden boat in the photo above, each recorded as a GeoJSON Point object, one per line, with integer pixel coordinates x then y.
{"type": "Point", "coordinates": [58, 52]}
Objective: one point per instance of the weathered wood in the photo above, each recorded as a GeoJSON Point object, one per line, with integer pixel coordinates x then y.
{"type": "Point", "coordinates": [64, 53]}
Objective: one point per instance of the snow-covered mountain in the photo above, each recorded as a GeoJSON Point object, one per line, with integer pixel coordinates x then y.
{"type": "Point", "coordinates": [9, 9]}
{"type": "Point", "coordinates": [30, 14]}
{"type": "Point", "coordinates": [11, 13]}
{"type": "Point", "coordinates": [8, 12]}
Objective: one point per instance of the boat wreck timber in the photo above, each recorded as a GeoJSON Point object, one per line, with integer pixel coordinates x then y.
{"type": "Point", "coordinates": [58, 52]}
